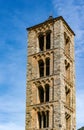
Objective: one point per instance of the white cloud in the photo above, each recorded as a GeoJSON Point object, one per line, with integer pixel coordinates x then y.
{"type": "Point", "coordinates": [72, 11]}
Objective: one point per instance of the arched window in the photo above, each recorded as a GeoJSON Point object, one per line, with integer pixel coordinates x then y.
{"type": "Point", "coordinates": [44, 119]}
{"type": "Point", "coordinates": [67, 70]}
{"type": "Point", "coordinates": [47, 66]}
{"type": "Point", "coordinates": [39, 119]}
{"type": "Point", "coordinates": [41, 42]}
{"type": "Point", "coordinates": [48, 40]}
{"type": "Point", "coordinates": [47, 92]}
{"type": "Point", "coordinates": [41, 68]}
{"type": "Point", "coordinates": [41, 94]}
{"type": "Point", "coordinates": [47, 122]}
{"type": "Point", "coordinates": [67, 44]}
{"type": "Point", "coordinates": [67, 92]}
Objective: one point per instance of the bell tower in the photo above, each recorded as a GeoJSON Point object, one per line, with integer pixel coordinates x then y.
{"type": "Point", "coordinates": [50, 91]}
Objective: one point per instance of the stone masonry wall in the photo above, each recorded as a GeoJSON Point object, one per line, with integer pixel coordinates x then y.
{"type": "Point", "coordinates": [57, 79]}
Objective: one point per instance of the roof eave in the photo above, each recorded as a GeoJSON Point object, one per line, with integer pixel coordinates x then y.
{"type": "Point", "coordinates": [51, 20]}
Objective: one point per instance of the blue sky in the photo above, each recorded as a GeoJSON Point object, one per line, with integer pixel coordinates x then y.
{"type": "Point", "coordinates": [15, 16]}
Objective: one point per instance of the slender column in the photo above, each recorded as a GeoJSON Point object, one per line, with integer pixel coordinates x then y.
{"type": "Point", "coordinates": [50, 118]}
{"type": "Point", "coordinates": [50, 93]}
{"type": "Point", "coordinates": [44, 42]}
{"type": "Point", "coordinates": [41, 120]}
{"type": "Point", "coordinates": [44, 68]}
{"type": "Point", "coordinates": [51, 64]}
{"type": "Point", "coordinates": [44, 93]}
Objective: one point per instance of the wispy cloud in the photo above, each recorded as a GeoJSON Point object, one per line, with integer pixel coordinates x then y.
{"type": "Point", "coordinates": [12, 72]}
{"type": "Point", "coordinates": [72, 11]}
{"type": "Point", "coordinates": [14, 18]}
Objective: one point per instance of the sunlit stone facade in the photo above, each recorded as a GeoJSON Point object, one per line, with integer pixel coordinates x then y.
{"type": "Point", "coordinates": [50, 91]}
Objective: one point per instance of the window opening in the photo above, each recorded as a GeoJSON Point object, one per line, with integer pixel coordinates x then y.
{"type": "Point", "coordinates": [41, 68]}
{"type": "Point", "coordinates": [67, 69]}
{"type": "Point", "coordinates": [39, 119]}
{"type": "Point", "coordinates": [47, 92]}
{"type": "Point", "coordinates": [44, 120]}
{"type": "Point", "coordinates": [67, 44]}
{"type": "Point", "coordinates": [41, 94]}
{"type": "Point", "coordinates": [67, 91]}
{"type": "Point", "coordinates": [41, 42]}
{"type": "Point", "coordinates": [47, 113]}
{"type": "Point", "coordinates": [48, 39]}
{"type": "Point", "coordinates": [47, 66]}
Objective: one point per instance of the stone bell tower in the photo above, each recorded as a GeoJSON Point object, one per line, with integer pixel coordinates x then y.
{"type": "Point", "coordinates": [50, 92]}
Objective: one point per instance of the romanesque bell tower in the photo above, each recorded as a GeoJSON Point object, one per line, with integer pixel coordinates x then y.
{"type": "Point", "coordinates": [50, 92]}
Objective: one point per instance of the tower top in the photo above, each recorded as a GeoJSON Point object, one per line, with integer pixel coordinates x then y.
{"type": "Point", "coordinates": [50, 96]}
{"type": "Point", "coordinates": [50, 20]}
{"type": "Point", "coordinates": [50, 17]}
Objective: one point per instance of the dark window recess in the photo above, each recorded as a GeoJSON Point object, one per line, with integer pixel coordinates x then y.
{"type": "Point", "coordinates": [47, 119]}
{"type": "Point", "coordinates": [41, 94]}
{"type": "Point", "coordinates": [41, 43]}
{"type": "Point", "coordinates": [67, 41]}
{"type": "Point", "coordinates": [67, 91]}
{"type": "Point", "coordinates": [39, 119]}
{"type": "Point", "coordinates": [67, 65]}
{"type": "Point", "coordinates": [44, 120]}
{"type": "Point", "coordinates": [47, 92]}
{"type": "Point", "coordinates": [41, 68]}
{"type": "Point", "coordinates": [67, 44]}
{"type": "Point", "coordinates": [47, 66]}
{"type": "Point", "coordinates": [48, 41]}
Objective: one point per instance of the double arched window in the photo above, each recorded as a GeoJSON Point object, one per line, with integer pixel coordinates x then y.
{"type": "Point", "coordinates": [43, 119]}
{"type": "Point", "coordinates": [44, 41]}
{"type": "Point", "coordinates": [44, 69]}
{"type": "Point", "coordinates": [43, 116]}
{"type": "Point", "coordinates": [43, 93]}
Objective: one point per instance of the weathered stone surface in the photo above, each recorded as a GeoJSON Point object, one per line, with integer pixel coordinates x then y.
{"type": "Point", "coordinates": [61, 79]}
